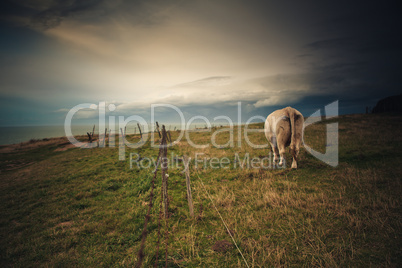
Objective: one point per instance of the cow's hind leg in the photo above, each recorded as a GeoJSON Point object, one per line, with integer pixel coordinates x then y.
{"type": "Point", "coordinates": [294, 150]}
{"type": "Point", "coordinates": [282, 137]}
{"type": "Point", "coordinates": [274, 147]}
{"type": "Point", "coordinates": [295, 153]}
{"type": "Point", "coordinates": [282, 151]}
{"type": "Point", "coordinates": [275, 151]}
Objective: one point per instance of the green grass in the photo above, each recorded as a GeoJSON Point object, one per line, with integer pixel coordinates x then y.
{"type": "Point", "coordinates": [84, 207]}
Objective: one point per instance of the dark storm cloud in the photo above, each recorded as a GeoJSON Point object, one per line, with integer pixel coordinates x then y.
{"type": "Point", "coordinates": [360, 52]}
{"type": "Point", "coordinates": [44, 14]}
{"type": "Point", "coordinates": [60, 9]}
{"type": "Point", "coordinates": [206, 54]}
{"type": "Point", "coordinates": [11, 8]}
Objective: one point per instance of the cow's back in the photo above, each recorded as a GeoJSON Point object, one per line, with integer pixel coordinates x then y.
{"type": "Point", "coordinates": [279, 120]}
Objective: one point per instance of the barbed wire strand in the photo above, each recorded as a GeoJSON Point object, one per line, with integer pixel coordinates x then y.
{"type": "Point", "coordinates": [224, 223]}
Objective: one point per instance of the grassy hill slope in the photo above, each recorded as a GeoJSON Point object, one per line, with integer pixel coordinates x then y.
{"type": "Point", "coordinates": [84, 207]}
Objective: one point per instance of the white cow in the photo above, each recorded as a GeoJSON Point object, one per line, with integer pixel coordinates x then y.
{"type": "Point", "coordinates": [285, 128]}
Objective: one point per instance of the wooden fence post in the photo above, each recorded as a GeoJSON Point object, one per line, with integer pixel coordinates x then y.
{"type": "Point", "coordinates": [139, 128]}
{"type": "Point", "coordinates": [157, 129]}
{"type": "Point", "coordinates": [104, 138]}
{"type": "Point", "coordinates": [164, 165]}
{"type": "Point", "coordinates": [123, 135]}
{"type": "Point", "coordinates": [189, 196]}
{"type": "Point", "coordinates": [89, 137]}
{"type": "Point", "coordinates": [170, 137]}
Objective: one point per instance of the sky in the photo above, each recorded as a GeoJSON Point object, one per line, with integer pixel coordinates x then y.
{"type": "Point", "coordinates": [201, 56]}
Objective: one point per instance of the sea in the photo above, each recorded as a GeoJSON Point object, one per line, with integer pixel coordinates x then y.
{"type": "Point", "coordinates": [17, 134]}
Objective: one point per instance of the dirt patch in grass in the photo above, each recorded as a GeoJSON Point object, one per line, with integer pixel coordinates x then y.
{"type": "Point", "coordinates": [32, 144]}
{"type": "Point", "coordinates": [65, 224]}
{"type": "Point", "coordinates": [64, 148]}
{"type": "Point", "coordinates": [16, 165]}
{"type": "Point", "coordinates": [222, 246]}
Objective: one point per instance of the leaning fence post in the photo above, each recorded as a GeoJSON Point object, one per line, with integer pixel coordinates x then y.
{"type": "Point", "coordinates": [139, 128]}
{"type": "Point", "coordinates": [189, 196]}
{"type": "Point", "coordinates": [170, 137]}
{"type": "Point", "coordinates": [122, 134]}
{"type": "Point", "coordinates": [157, 128]}
{"type": "Point", "coordinates": [89, 137]}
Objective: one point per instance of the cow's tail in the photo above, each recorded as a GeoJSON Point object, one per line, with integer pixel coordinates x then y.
{"type": "Point", "coordinates": [293, 129]}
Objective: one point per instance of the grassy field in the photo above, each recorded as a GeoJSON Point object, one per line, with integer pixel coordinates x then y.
{"type": "Point", "coordinates": [84, 207]}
